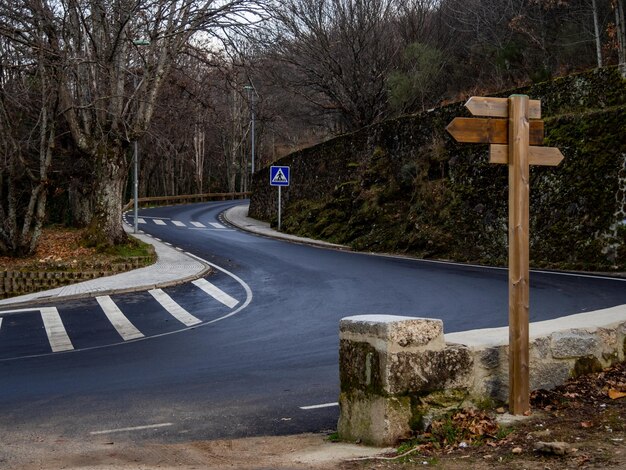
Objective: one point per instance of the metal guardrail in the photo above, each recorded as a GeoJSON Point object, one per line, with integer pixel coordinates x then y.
{"type": "Point", "coordinates": [185, 198]}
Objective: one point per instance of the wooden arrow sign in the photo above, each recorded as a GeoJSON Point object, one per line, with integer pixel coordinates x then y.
{"type": "Point", "coordinates": [515, 141]}
{"type": "Point", "coordinates": [544, 156]}
{"type": "Point", "coordinates": [499, 107]}
{"type": "Point", "coordinates": [489, 131]}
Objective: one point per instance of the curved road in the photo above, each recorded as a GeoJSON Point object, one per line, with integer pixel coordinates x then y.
{"type": "Point", "coordinates": [255, 357]}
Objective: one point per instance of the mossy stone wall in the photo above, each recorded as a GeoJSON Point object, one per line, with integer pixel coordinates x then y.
{"type": "Point", "coordinates": [406, 186]}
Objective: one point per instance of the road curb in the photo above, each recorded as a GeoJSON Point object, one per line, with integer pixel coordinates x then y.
{"type": "Point", "coordinates": [39, 298]}
{"type": "Point", "coordinates": [237, 217]}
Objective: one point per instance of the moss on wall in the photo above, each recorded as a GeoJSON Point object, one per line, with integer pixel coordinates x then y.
{"type": "Point", "coordinates": [406, 186]}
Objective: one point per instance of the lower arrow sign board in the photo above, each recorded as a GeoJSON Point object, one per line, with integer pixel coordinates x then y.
{"type": "Point", "coordinates": [544, 156]}
{"type": "Point", "coordinates": [490, 131]}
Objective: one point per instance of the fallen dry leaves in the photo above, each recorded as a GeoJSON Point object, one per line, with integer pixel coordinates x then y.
{"type": "Point", "coordinates": [587, 389]}
{"type": "Point", "coordinates": [616, 394]}
{"type": "Point", "coordinates": [574, 418]}
{"type": "Point", "coordinates": [56, 245]}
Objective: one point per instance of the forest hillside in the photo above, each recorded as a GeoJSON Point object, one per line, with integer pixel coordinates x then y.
{"type": "Point", "coordinates": [405, 186]}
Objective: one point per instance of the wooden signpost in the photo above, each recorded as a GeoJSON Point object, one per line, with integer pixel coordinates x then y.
{"type": "Point", "coordinates": [515, 135]}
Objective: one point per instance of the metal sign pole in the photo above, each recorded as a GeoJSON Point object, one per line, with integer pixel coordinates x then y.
{"type": "Point", "coordinates": [136, 187]}
{"type": "Point", "coordinates": [279, 207]}
{"type": "Point", "coordinates": [279, 176]}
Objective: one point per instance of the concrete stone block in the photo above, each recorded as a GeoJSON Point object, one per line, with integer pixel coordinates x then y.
{"type": "Point", "coordinates": [374, 420]}
{"type": "Point", "coordinates": [574, 343]}
{"type": "Point", "coordinates": [548, 375]}
{"type": "Point", "coordinates": [608, 340]}
{"type": "Point", "coordinates": [359, 367]}
{"type": "Point", "coordinates": [490, 358]}
{"type": "Point", "coordinates": [390, 332]}
{"type": "Point", "coordinates": [540, 348]}
{"type": "Point", "coordinates": [495, 386]}
{"type": "Point", "coordinates": [427, 371]}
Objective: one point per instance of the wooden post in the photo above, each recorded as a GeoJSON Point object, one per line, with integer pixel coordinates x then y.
{"type": "Point", "coordinates": [511, 141]}
{"type": "Point", "coordinates": [519, 388]}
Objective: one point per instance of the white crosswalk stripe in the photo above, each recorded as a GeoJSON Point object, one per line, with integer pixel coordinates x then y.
{"type": "Point", "coordinates": [216, 293]}
{"type": "Point", "coordinates": [141, 221]}
{"type": "Point", "coordinates": [178, 223]}
{"type": "Point", "coordinates": [216, 225]}
{"type": "Point", "coordinates": [159, 222]}
{"type": "Point", "coordinates": [174, 309]}
{"type": "Point", "coordinates": [119, 321]}
{"type": "Point", "coordinates": [198, 224]}
{"type": "Point", "coordinates": [59, 340]}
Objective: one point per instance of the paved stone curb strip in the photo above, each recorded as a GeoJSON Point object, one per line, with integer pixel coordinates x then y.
{"type": "Point", "coordinates": [172, 267]}
{"type": "Point", "coordinates": [238, 217]}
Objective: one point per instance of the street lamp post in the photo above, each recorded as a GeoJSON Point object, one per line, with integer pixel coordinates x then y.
{"type": "Point", "coordinates": [251, 91]}
{"type": "Point", "coordinates": [135, 186]}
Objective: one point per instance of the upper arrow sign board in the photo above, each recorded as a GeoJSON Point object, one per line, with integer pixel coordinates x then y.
{"type": "Point", "coordinates": [515, 137]}
{"type": "Point", "coordinates": [279, 176]}
{"type": "Point", "coordinates": [499, 107]}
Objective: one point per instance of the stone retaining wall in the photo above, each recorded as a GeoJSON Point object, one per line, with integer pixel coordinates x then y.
{"type": "Point", "coordinates": [406, 186]}
{"type": "Point", "coordinates": [397, 373]}
{"type": "Point", "coordinates": [14, 283]}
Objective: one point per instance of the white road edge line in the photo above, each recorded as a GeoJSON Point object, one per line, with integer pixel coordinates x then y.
{"type": "Point", "coordinates": [57, 336]}
{"type": "Point", "coordinates": [119, 321]}
{"type": "Point", "coordinates": [215, 292]}
{"type": "Point", "coordinates": [494, 268]}
{"type": "Point", "coordinates": [20, 310]}
{"type": "Point", "coordinates": [246, 287]}
{"type": "Point", "coordinates": [173, 308]}
{"type": "Point", "coordinates": [323, 405]}
{"type": "Point", "coordinates": [134, 428]}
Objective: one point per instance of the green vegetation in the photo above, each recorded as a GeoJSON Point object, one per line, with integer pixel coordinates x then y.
{"type": "Point", "coordinates": [133, 248]}
{"type": "Point", "coordinates": [457, 429]}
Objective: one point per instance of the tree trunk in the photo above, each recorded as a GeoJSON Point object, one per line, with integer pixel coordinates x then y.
{"type": "Point", "coordinates": [596, 29]}
{"type": "Point", "coordinates": [105, 228]}
{"type": "Point", "coordinates": [81, 207]}
{"type": "Point", "coordinates": [621, 34]}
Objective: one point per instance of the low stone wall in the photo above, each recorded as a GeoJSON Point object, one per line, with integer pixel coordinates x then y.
{"type": "Point", "coordinates": [14, 283]}
{"type": "Point", "coordinates": [397, 373]}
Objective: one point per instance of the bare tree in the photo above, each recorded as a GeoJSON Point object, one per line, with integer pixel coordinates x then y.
{"type": "Point", "coordinates": [117, 54]}
{"type": "Point", "coordinates": [336, 54]}
{"type": "Point", "coordinates": [29, 102]}
{"type": "Point", "coordinates": [620, 31]}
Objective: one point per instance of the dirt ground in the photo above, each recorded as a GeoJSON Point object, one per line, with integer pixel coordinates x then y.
{"type": "Point", "coordinates": [61, 248]}
{"type": "Point", "coordinates": [582, 425]}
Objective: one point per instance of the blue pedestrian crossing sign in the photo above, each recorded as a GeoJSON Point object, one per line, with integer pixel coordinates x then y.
{"type": "Point", "coordinates": [279, 176]}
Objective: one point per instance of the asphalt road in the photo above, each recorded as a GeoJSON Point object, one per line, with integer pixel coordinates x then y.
{"type": "Point", "coordinates": [246, 369]}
